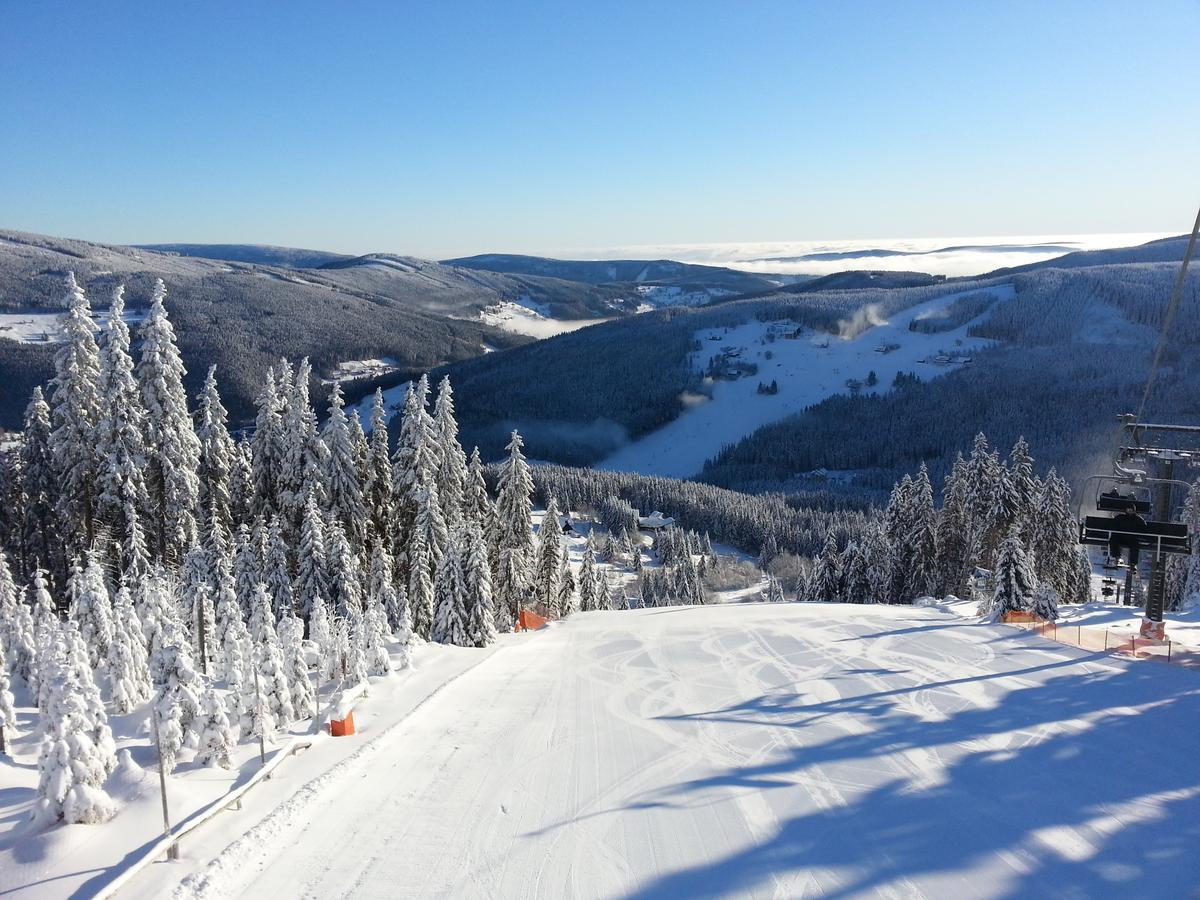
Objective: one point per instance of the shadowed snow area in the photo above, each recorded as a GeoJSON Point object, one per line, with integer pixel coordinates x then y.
{"type": "Point", "coordinates": [759, 750]}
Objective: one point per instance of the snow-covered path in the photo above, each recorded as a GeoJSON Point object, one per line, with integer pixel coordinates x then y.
{"type": "Point", "coordinates": [779, 751]}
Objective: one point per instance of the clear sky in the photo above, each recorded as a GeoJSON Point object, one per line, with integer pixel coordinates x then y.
{"type": "Point", "coordinates": [441, 129]}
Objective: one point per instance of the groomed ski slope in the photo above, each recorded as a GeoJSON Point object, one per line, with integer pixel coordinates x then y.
{"type": "Point", "coordinates": [807, 371]}
{"type": "Point", "coordinates": [757, 750]}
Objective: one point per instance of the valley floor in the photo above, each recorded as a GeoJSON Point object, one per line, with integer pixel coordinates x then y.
{"type": "Point", "coordinates": [765, 750]}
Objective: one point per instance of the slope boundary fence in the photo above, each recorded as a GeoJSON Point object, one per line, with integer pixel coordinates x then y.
{"type": "Point", "coordinates": [1107, 640]}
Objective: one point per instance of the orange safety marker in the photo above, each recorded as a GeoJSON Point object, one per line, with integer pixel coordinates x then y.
{"type": "Point", "coordinates": [527, 620]}
{"type": "Point", "coordinates": [342, 727]}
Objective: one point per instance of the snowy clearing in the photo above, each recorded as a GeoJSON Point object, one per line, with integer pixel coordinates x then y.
{"type": "Point", "coordinates": [752, 750]}
{"type": "Point", "coordinates": [522, 320]}
{"type": "Point", "coordinates": [807, 370]}
{"type": "Point", "coordinates": [42, 327]}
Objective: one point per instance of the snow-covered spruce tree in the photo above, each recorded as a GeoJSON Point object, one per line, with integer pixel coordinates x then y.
{"type": "Point", "coordinates": [72, 768]}
{"type": "Point", "coordinates": [566, 601]}
{"type": "Point", "coordinates": [91, 609]}
{"type": "Point", "coordinates": [241, 483]}
{"type": "Point", "coordinates": [1015, 581]}
{"type": "Point", "coordinates": [774, 591]}
{"type": "Point", "coordinates": [1051, 536]}
{"type": "Point", "coordinates": [177, 701]}
{"type": "Point", "coordinates": [295, 661]}
{"type": "Point", "coordinates": [341, 473]}
{"type": "Point", "coordinates": [312, 574]}
{"type": "Point", "coordinates": [8, 597]}
{"type": "Point", "coordinates": [75, 410]}
{"type": "Point", "coordinates": [172, 449]}
{"type": "Point", "coordinates": [159, 613]}
{"type": "Point", "coordinates": [266, 448]}
{"type": "Point", "coordinates": [380, 582]}
{"type": "Point", "coordinates": [120, 432]}
{"type": "Point", "coordinates": [377, 485]}
{"type": "Point", "coordinates": [322, 634]}
{"type": "Point", "coordinates": [375, 637]}
{"type": "Point", "coordinates": [451, 475]}
{"type": "Point", "coordinates": [362, 450]}
{"type": "Point", "coordinates": [1026, 490]}
{"type": "Point", "coordinates": [477, 505]}
{"type": "Point", "coordinates": [135, 557]}
{"type": "Point", "coordinates": [420, 590]}
{"type": "Point", "coordinates": [226, 606]}
{"type": "Point", "coordinates": [548, 561]}
{"type": "Point", "coordinates": [477, 583]}
{"type": "Point", "coordinates": [304, 456]}
{"type": "Point", "coordinates": [196, 594]}
{"type": "Point", "coordinates": [39, 485]}
{"type": "Point", "coordinates": [588, 601]}
{"type": "Point", "coordinates": [411, 459]}
{"type": "Point", "coordinates": [216, 453]}
{"type": "Point", "coordinates": [75, 664]}
{"type": "Point", "coordinates": [352, 641]}
{"type": "Point", "coordinates": [216, 740]}
{"type": "Point", "coordinates": [8, 712]}
{"type": "Point", "coordinates": [1045, 602]}
{"type": "Point", "coordinates": [128, 664]}
{"type": "Point", "coordinates": [274, 684]}
{"type": "Point", "coordinates": [826, 578]}
{"type": "Point", "coordinates": [22, 644]}
{"type": "Point", "coordinates": [449, 597]}
{"type": "Point", "coordinates": [276, 573]}
{"type": "Point", "coordinates": [257, 719]}
{"type": "Point", "coordinates": [247, 569]}
{"type": "Point", "coordinates": [345, 588]}
{"type": "Point", "coordinates": [513, 538]}
{"type": "Point", "coordinates": [428, 525]}
{"type": "Point", "coordinates": [956, 535]}
{"type": "Point", "coordinates": [237, 661]}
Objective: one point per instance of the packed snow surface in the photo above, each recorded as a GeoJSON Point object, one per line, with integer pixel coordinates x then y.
{"type": "Point", "coordinates": [752, 750]}
{"type": "Point", "coordinates": [807, 370]}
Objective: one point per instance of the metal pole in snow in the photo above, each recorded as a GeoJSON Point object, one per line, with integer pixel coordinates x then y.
{"type": "Point", "coordinates": [173, 849]}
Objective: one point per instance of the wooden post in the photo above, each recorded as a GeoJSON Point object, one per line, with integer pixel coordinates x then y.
{"type": "Point", "coordinates": [173, 849]}
{"type": "Point", "coordinates": [262, 742]}
{"type": "Point", "coordinates": [201, 634]}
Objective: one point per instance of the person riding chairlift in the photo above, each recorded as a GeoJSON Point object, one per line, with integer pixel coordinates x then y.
{"type": "Point", "coordinates": [1128, 521]}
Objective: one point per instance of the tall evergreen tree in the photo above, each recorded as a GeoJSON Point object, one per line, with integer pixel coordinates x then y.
{"type": "Point", "coordinates": [477, 584]}
{"type": "Point", "coordinates": [75, 405]}
{"type": "Point", "coordinates": [345, 586]}
{"type": "Point", "coordinates": [217, 453]}
{"type": "Point", "coordinates": [120, 433]}
{"type": "Point", "coordinates": [277, 574]}
{"type": "Point", "coordinates": [342, 473]}
{"type": "Point", "coordinates": [172, 448]}
{"type": "Point", "coordinates": [312, 573]}
{"type": "Point", "coordinates": [1015, 581]}
{"type": "Point", "coordinates": [513, 538]}
{"type": "Point", "coordinates": [449, 597]}
{"type": "Point", "coordinates": [451, 475]}
{"type": "Point", "coordinates": [549, 560]}
{"type": "Point", "coordinates": [128, 665]}
{"type": "Point", "coordinates": [377, 486]}
{"type": "Point", "coordinates": [266, 448]}
{"type": "Point", "coordinates": [40, 489]}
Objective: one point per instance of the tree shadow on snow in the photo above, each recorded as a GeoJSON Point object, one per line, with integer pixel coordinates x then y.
{"type": "Point", "coordinates": [1023, 801]}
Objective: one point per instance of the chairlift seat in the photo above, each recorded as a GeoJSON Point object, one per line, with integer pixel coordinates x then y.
{"type": "Point", "coordinates": [1169, 537]}
{"type": "Point", "coordinates": [1114, 501]}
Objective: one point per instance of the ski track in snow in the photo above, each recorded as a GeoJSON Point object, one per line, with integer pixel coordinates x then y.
{"type": "Point", "coordinates": [806, 374]}
{"type": "Point", "coordinates": [756, 750]}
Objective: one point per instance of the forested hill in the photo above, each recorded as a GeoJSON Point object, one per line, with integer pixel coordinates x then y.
{"type": "Point", "coordinates": [242, 316]}
{"type": "Point", "coordinates": [1073, 347]}
{"type": "Point", "coordinates": [608, 271]}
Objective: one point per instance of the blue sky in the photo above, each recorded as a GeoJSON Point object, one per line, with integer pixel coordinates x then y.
{"type": "Point", "coordinates": [445, 129]}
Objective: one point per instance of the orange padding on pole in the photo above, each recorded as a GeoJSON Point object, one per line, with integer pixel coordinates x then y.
{"type": "Point", "coordinates": [527, 620]}
{"type": "Point", "coordinates": [342, 727]}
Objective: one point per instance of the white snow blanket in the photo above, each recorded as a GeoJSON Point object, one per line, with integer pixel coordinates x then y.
{"type": "Point", "coordinates": [752, 750]}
